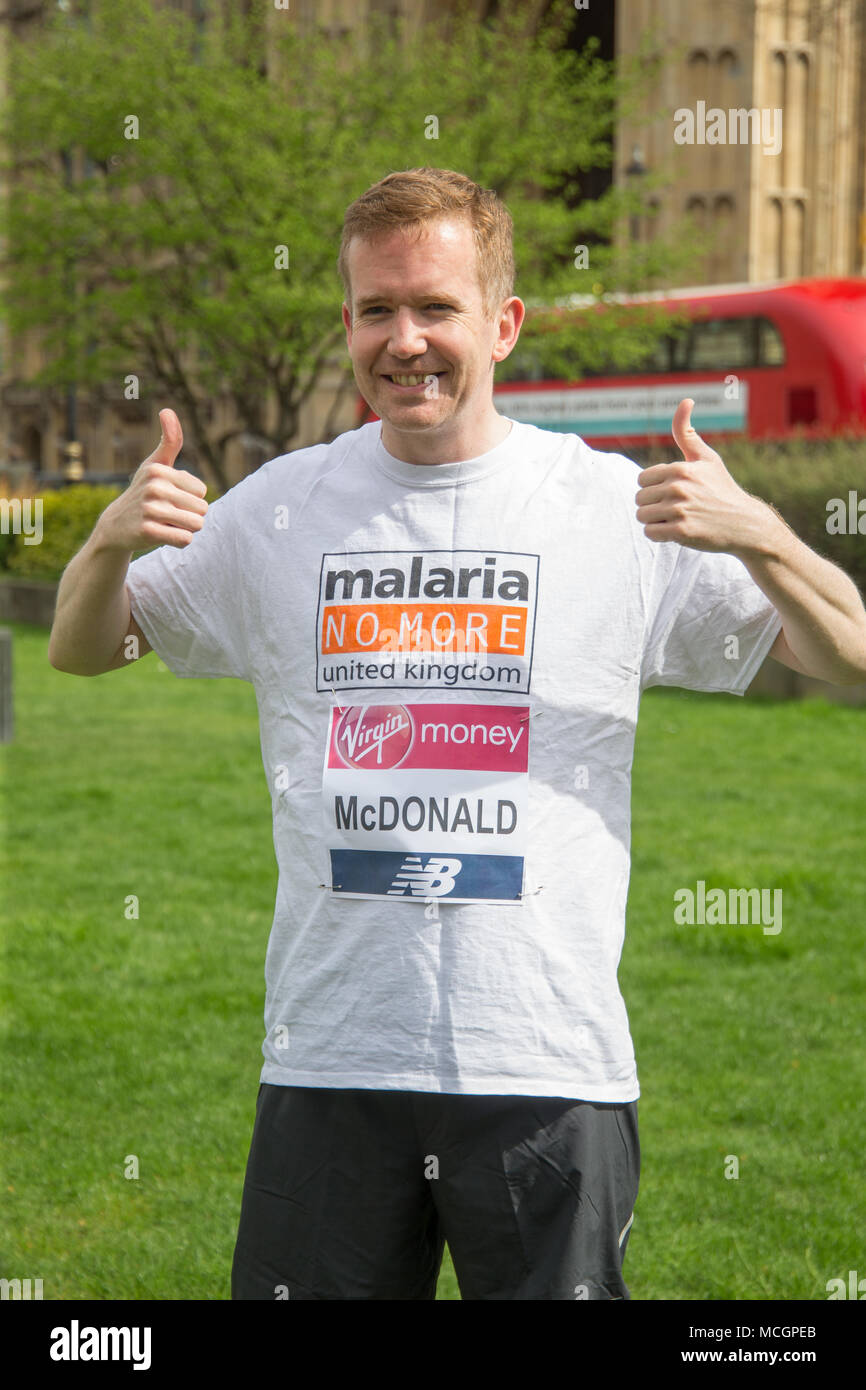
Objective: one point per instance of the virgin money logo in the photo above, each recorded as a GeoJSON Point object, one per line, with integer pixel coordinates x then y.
{"type": "Point", "coordinates": [377, 736]}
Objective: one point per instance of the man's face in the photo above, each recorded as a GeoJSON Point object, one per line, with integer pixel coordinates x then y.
{"type": "Point", "coordinates": [421, 345]}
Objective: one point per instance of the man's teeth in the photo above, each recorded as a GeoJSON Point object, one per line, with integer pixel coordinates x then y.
{"type": "Point", "coordinates": [405, 379]}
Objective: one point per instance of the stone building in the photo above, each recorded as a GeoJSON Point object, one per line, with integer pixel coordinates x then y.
{"type": "Point", "coordinates": [785, 206]}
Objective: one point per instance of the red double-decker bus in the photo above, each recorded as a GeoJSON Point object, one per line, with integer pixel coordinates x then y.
{"type": "Point", "coordinates": [760, 362]}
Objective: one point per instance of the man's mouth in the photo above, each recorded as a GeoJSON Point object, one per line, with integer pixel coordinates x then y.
{"type": "Point", "coordinates": [411, 378]}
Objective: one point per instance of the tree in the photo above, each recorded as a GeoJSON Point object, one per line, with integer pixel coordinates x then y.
{"type": "Point", "coordinates": [194, 248]}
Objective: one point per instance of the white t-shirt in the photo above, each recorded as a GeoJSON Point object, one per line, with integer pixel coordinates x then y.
{"type": "Point", "coordinates": [448, 662]}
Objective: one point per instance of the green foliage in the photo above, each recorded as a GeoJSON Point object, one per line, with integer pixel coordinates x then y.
{"type": "Point", "coordinates": [799, 478]}
{"type": "Point", "coordinates": [160, 253]}
{"type": "Point", "coordinates": [558, 345]}
{"type": "Point", "coordinates": [68, 517]}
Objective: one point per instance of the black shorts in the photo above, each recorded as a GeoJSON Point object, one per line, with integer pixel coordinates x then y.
{"type": "Point", "coordinates": [352, 1194]}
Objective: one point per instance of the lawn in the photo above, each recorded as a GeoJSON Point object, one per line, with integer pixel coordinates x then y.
{"type": "Point", "coordinates": [139, 1035]}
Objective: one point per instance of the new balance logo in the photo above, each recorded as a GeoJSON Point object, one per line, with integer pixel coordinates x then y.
{"type": "Point", "coordinates": [417, 880]}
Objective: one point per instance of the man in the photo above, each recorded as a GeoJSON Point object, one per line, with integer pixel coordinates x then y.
{"type": "Point", "coordinates": [449, 618]}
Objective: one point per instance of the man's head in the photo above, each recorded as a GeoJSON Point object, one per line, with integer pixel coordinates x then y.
{"type": "Point", "coordinates": [411, 199]}
{"type": "Point", "coordinates": [427, 263]}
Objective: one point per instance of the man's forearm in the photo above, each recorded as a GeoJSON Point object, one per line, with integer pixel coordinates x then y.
{"type": "Point", "coordinates": [92, 613]}
{"type": "Point", "coordinates": [822, 613]}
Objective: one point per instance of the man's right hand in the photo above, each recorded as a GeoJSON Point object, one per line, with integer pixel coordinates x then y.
{"type": "Point", "coordinates": [161, 506]}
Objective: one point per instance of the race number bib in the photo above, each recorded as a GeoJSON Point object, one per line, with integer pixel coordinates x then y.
{"type": "Point", "coordinates": [427, 801]}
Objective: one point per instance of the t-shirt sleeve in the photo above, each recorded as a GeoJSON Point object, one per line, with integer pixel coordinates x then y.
{"type": "Point", "coordinates": [711, 626]}
{"type": "Point", "coordinates": [189, 602]}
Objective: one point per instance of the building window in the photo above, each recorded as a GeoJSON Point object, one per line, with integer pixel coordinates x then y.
{"type": "Point", "coordinates": [696, 208]}
{"type": "Point", "coordinates": [728, 63]}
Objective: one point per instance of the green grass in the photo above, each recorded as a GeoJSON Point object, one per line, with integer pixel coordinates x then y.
{"type": "Point", "coordinates": [142, 1036]}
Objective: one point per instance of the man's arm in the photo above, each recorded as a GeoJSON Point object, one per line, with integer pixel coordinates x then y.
{"type": "Point", "coordinates": [780, 651]}
{"type": "Point", "coordinates": [698, 504]}
{"type": "Point", "coordinates": [92, 619]}
{"type": "Point", "coordinates": [128, 651]}
{"type": "Point", "coordinates": [823, 618]}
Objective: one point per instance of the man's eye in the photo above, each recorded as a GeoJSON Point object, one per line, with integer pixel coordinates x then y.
{"type": "Point", "coordinates": [381, 309]}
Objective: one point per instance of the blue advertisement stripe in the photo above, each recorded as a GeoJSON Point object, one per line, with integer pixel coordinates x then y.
{"type": "Point", "coordinates": [426, 876]}
{"type": "Point", "coordinates": [633, 426]}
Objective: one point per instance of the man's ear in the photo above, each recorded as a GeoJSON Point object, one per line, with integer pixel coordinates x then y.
{"type": "Point", "coordinates": [510, 320]}
{"type": "Point", "coordinates": [347, 323]}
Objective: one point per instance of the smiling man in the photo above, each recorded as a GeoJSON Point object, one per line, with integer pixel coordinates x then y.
{"type": "Point", "coordinates": [425, 333]}
{"type": "Point", "coordinates": [448, 643]}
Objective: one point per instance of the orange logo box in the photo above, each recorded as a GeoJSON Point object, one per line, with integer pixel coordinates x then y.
{"type": "Point", "coordinates": [424, 627]}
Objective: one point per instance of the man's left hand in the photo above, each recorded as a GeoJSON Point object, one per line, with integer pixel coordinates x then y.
{"type": "Point", "coordinates": [697, 502]}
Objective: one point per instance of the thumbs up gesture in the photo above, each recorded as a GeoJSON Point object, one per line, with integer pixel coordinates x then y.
{"type": "Point", "coordinates": [162, 505]}
{"type": "Point", "coordinates": [696, 502]}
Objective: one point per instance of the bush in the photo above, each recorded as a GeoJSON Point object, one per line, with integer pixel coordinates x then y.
{"type": "Point", "coordinates": [799, 477]}
{"type": "Point", "coordinates": [68, 517]}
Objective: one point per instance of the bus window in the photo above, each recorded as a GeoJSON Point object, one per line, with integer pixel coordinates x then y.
{"type": "Point", "coordinates": [729, 344]}
{"type": "Point", "coordinates": [771, 349]}
{"type": "Point", "coordinates": [708, 345]}
{"type": "Point", "coordinates": [718, 344]}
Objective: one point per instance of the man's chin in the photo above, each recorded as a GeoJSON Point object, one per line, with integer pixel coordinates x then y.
{"type": "Point", "coordinates": [410, 417]}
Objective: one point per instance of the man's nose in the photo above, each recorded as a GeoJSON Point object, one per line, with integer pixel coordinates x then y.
{"type": "Point", "coordinates": [407, 339]}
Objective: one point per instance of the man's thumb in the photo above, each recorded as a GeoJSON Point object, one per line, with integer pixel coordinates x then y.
{"type": "Point", "coordinates": [171, 439]}
{"type": "Point", "coordinates": [688, 441]}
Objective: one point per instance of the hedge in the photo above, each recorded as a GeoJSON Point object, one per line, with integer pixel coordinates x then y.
{"type": "Point", "coordinates": [68, 517]}
{"type": "Point", "coordinates": [800, 478]}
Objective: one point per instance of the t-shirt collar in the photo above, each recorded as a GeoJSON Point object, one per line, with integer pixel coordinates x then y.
{"type": "Point", "coordinates": [446, 474]}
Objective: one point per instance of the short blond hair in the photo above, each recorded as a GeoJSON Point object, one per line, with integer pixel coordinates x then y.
{"type": "Point", "coordinates": [411, 198]}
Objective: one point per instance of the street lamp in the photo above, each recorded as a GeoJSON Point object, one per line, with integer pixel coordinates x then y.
{"type": "Point", "coordinates": [73, 465]}
{"type": "Point", "coordinates": [73, 469]}
{"type": "Point", "coordinates": [635, 171]}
